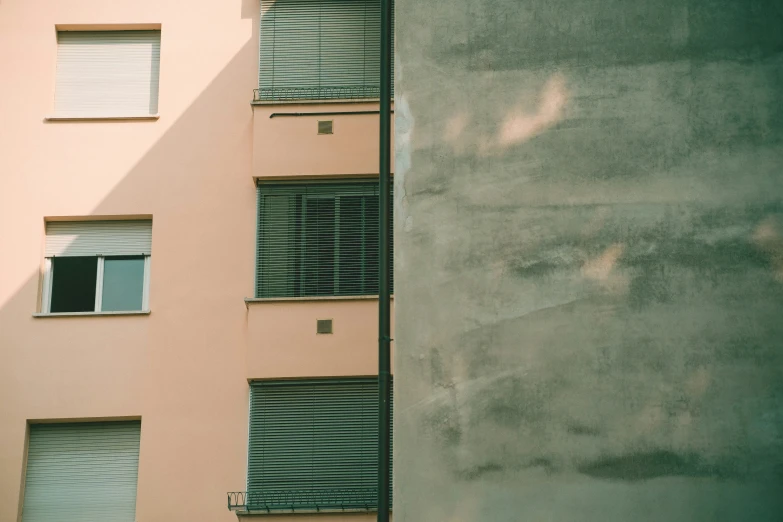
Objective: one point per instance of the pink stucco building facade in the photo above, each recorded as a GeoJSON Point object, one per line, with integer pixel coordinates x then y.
{"type": "Point", "coordinates": [179, 366]}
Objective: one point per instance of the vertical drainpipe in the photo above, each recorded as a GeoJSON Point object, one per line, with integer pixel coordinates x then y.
{"type": "Point", "coordinates": [384, 268]}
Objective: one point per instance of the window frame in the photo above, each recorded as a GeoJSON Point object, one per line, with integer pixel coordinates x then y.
{"type": "Point", "coordinates": [310, 191]}
{"type": "Point", "coordinates": [48, 281]}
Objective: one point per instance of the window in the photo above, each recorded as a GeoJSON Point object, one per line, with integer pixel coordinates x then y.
{"type": "Point", "coordinates": [319, 49]}
{"type": "Point", "coordinates": [97, 266]}
{"type": "Point", "coordinates": [313, 444]}
{"type": "Point", "coordinates": [107, 73]}
{"type": "Point", "coordinates": [317, 239]}
{"type": "Point", "coordinates": [85, 472]}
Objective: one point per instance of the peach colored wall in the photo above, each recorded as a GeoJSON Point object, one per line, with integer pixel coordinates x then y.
{"type": "Point", "coordinates": [291, 146]}
{"type": "Point", "coordinates": [184, 368]}
{"type": "Point", "coordinates": [282, 339]}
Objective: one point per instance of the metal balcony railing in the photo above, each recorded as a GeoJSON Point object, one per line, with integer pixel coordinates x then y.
{"type": "Point", "coordinates": [341, 92]}
{"type": "Point", "coordinates": [292, 501]}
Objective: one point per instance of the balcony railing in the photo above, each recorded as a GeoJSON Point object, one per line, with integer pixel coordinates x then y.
{"type": "Point", "coordinates": [343, 92]}
{"type": "Point", "coordinates": [308, 500]}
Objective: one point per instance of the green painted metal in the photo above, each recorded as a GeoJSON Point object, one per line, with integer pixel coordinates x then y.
{"type": "Point", "coordinates": [311, 438]}
{"type": "Point", "coordinates": [82, 472]}
{"type": "Point", "coordinates": [319, 49]}
{"type": "Point", "coordinates": [318, 239]}
{"type": "Point", "coordinates": [384, 265]}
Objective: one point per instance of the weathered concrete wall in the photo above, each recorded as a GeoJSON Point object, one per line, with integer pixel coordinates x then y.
{"type": "Point", "coordinates": [589, 260]}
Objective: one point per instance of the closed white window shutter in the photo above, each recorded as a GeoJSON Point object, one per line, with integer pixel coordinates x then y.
{"type": "Point", "coordinates": [82, 472]}
{"type": "Point", "coordinates": [107, 73]}
{"type": "Point", "coordinates": [91, 238]}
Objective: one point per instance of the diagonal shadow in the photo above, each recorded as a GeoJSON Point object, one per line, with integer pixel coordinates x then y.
{"type": "Point", "coordinates": [196, 181]}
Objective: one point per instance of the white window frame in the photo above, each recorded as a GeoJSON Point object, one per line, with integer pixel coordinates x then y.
{"type": "Point", "coordinates": [48, 280]}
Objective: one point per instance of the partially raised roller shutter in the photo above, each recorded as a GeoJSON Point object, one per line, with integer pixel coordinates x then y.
{"type": "Point", "coordinates": [82, 472]}
{"type": "Point", "coordinates": [90, 238]}
{"type": "Point", "coordinates": [313, 444]}
{"type": "Point", "coordinates": [107, 73]}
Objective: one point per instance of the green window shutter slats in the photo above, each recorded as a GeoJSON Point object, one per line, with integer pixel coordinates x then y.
{"type": "Point", "coordinates": [319, 49]}
{"type": "Point", "coordinates": [83, 472]}
{"type": "Point", "coordinates": [313, 439]}
{"type": "Point", "coordinates": [317, 239]}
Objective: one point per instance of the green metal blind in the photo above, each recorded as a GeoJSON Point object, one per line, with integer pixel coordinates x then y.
{"type": "Point", "coordinates": [313, 444]}
{"type": "Point", "coordinates": [319, 49]}
{"type": "Point", "coordinates": [82, 472]}
{"type": "Point", "coordinates": [318, 239]}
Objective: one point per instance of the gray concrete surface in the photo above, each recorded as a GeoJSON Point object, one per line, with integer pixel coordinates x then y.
{"type": "Point", "coordinates": [589, 261]}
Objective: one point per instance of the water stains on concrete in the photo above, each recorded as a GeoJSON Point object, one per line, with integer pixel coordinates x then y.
{"type": "Point", "coordinates": [590, 289]}
{"type": "Point", "coordinates": [647, 465]}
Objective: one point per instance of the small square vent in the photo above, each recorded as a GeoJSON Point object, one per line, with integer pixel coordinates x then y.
{"type": "Point", "coordinates": [325, 127]}
{"type": "Point", "coordinates": [324, 326]}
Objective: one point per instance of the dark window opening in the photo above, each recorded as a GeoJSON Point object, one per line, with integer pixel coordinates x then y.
{"type": "Point", "coordinates": [73, 286]}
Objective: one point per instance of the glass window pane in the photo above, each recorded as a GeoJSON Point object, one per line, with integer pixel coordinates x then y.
{"type": "Point", "coordinates": [73, 286]}
{"type": "Point", "coordinates": [123, 284]}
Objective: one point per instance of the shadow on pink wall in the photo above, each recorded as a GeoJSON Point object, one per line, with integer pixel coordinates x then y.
{"type": "Point", "coordinates": [199, 169]}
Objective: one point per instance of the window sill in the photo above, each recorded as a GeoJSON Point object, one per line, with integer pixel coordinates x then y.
{"type": "Point", "coordinates": [72, 117]}
{"type": "Point", "coordinates": [257, 300]}
{"type": "Point", "coordinates": [91, 314]}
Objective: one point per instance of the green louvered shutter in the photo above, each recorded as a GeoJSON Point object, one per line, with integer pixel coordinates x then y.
{"type": "Point", "coordinates": [82, 472]}
{"type": "Point", "coordinates": [317, 239]}
{"type": "Point", "coordinates": [313, 444]}
{"type": "Point", "coordinates": [319, 49]}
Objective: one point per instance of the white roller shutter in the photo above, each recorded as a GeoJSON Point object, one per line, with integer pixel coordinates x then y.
{"type": "Point", "coordinates": [82, 472]}
{"type": "Point", "coordinates": [107, 73]}
{"type": "Point", "coordinates": [90, 238]}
